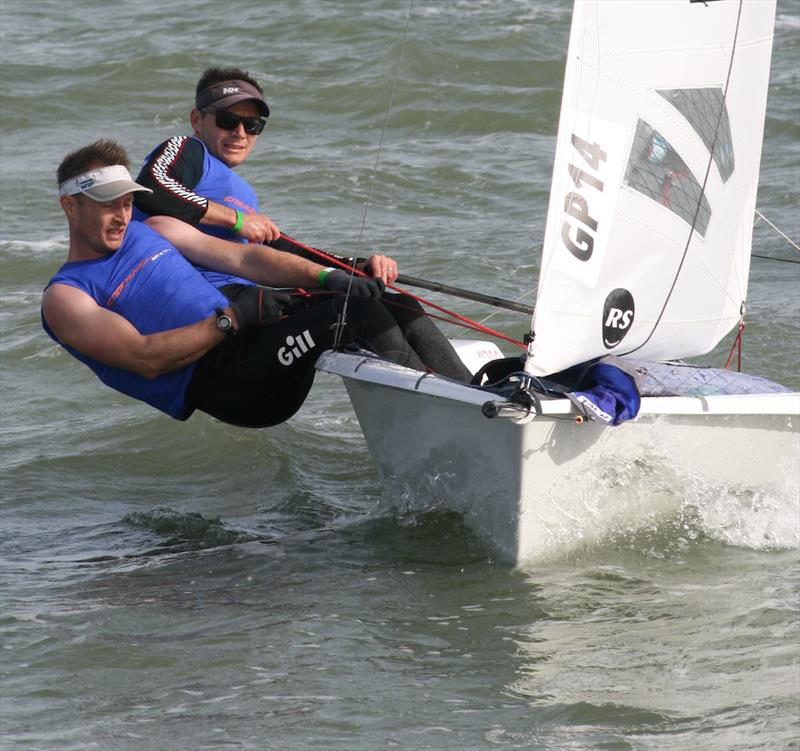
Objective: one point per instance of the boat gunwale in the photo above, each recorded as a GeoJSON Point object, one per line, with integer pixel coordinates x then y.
{"type": "Point", "coordinates": [372, 369]}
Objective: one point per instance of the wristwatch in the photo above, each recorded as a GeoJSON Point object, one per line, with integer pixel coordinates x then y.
{"type": "Point", "coordinates": [224, 322]}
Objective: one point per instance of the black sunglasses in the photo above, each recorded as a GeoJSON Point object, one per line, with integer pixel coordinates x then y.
{"type": "Point", "coordinates": [228, 121]}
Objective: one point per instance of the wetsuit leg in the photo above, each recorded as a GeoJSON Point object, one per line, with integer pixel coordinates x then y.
{"type": "Point", "coordinates": [433, 348]}
{"type": "Point", "coordinates": [261, 377]}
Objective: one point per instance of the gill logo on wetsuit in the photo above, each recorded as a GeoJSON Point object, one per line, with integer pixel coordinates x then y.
{"type": "Point", "coordinates": [295, 347]}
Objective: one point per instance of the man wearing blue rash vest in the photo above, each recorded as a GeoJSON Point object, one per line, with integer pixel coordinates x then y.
{"type": "Point", "coordinates": [192, 178]}
{"type": "Point", "coordinates": [128, 304]}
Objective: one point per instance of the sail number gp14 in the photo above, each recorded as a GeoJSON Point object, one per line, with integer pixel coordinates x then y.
{"type": "Point", "coordinates": [588, 210]}
{"type": "Point", "coordinates": [576, 206]}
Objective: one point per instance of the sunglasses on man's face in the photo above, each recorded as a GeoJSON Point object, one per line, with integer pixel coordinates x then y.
{"type": "Point", "coordinates": [228, 121]}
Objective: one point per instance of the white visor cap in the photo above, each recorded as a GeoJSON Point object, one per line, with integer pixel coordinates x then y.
{"type": "Point", "coordinates": [102, 184]}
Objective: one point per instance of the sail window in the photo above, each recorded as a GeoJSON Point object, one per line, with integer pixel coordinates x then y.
{"type": "Point", "coordinates": [655, 169]}
{"type": "Point", "coordinates": [703, 109]}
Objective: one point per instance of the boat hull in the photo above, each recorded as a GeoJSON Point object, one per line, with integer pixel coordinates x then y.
{"type": "Point", "coordinates": [537, 486]}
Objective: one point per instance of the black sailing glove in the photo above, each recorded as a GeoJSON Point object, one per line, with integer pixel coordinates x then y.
{"type": "Point", "coordinates": [257, 306]}
{"type": "Point", "coordinates": [360, 286]}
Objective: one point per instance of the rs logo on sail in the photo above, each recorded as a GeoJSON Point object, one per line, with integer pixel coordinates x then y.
{"type": "Point", "coordinates": [618, 314]}
{"type": "Point", "coordinates": [295, 347]}
{"type": "Point", "coordinates": [576, 204]}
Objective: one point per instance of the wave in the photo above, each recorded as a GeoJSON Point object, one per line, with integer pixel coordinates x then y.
{"type": "Point", "coordinates": [24, 248]}
{"type": "Point", "coordinates": [187, 528]}
{"type": "Point", "coordinates": [787, 21]}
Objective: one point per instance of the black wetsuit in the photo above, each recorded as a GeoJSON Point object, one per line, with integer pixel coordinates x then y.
{"type": "Point", "coordinates": [273, 368]}
{"type": "Point", "coordinates": [261, 377]}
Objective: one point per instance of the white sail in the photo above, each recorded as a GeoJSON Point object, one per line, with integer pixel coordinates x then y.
{"type": "Point", "coordinates": [649, 227]}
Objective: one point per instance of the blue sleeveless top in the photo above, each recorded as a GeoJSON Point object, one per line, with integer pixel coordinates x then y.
{"type": "Point", "coordinates": [148, 282]}
{"type": "Point", "coordinates": [220, 184]}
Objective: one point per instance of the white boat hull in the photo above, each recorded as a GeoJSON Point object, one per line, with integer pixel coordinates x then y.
{"type": "Point", "coordinates": [542, 485]}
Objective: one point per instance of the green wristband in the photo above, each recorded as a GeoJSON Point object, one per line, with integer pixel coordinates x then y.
{"type": "Point", "coordinates": [237, 228]}
{"type": "Point", "coordinates": [324, 273]}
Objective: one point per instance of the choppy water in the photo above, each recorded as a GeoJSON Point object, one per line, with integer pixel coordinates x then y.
{"type": "Point", "coordinates": [197, 586]}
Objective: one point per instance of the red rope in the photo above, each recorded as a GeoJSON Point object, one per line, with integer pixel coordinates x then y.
{"type": "Point", "coordinates": [455, 318]}
{"type": "Point", "coordinates": [737, 347]}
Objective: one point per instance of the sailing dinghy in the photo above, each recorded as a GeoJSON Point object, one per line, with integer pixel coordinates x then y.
{"type": "Point", "coordinates": [646, 258]}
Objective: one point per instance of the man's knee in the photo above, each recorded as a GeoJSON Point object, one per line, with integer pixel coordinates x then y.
{"type": "Point", "coordinates": [404, 302]}
{"type": "Point", "coordinates": [365, 308]}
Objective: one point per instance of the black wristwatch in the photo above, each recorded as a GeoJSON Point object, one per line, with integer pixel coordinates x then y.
{"type": "Point", "coordinates": [224, 322]}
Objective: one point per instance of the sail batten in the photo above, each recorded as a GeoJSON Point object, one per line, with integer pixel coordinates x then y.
{"type": "Point", "coordinates": [657, 161]}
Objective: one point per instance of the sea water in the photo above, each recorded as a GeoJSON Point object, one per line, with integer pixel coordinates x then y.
{"type": "Point", "coordinates": [197, 586]}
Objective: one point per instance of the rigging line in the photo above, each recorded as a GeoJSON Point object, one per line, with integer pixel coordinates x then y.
{"type": "Point", "coordinates": [328, 258]}
{"type": "Point", "coordinates": [773, 258]}
{"type": "Point", "coordinates": [340, 324]}
{"type": "Point", "coordinates": [779, 231]}
{"type": "Point", "coordinates": [462, 321]}
{"type": "Point", "coordinates": [465, 323]}
{"type": "Point", "coordinates": [702, 187]}
{"type": "Point", "coordinates": [497, 312]}
{"type": "Point", "coordinates": [457, 317]}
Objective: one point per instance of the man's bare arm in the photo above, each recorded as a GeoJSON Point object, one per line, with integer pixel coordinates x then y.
{"type": "Point", "coordinates": [258, 263]}
{"type": "Point", "coordinates": [78, 321]}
